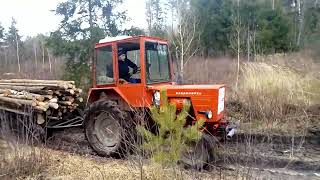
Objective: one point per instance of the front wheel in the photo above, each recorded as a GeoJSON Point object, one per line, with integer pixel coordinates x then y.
{"type": "Point", "coordinates": [199, 153]}
{"type": "Point", "coordinates": [105, 128]}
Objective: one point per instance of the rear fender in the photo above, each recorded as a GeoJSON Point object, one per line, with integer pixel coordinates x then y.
{"type": "Point", "coordinates": [112, 94]}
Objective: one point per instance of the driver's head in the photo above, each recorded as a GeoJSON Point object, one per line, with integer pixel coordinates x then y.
{"type": "Point", "coordinates": [121, 56]}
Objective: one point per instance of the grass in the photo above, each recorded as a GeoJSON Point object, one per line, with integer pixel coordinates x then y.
{"type": "Point", "coordinates": [25, 162]}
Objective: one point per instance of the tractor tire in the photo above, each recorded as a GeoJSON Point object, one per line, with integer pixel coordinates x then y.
{"type": "Point", "coordinates": [198, 154]}
{"type": "Point", "coordinates": [106, 128]}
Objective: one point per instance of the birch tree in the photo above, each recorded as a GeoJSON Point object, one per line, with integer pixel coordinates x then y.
{"type": "Point", "coordinates": [185, 37]}
{"type": "Point", "coordinates": [300, 20]}
{"type": "Point", "coordinates": [155, 17]}
{"type": "Point", "coordinates": [14, 40]}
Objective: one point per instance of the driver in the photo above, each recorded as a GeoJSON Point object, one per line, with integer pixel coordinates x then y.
{"type": "Point", "coordinates": [124, 65]}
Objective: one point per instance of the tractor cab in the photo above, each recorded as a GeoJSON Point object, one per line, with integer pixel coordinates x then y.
{"type": "Point", "coordinates": [125, 66]}
{"type": "Point", "coordinates": [147, 60]}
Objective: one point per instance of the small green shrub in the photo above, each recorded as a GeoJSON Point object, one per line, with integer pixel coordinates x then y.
{"type": "Point", "coordinates": [173, 137]}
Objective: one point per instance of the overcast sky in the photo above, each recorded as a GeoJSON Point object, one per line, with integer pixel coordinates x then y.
{"type": "Point", "coordinates": [34, 16]}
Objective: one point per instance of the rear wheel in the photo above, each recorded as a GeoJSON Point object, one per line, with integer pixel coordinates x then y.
{"type": "Point", "coordinates": [198, 154]}
{"type": "Point", "coordinates": [105, 128]}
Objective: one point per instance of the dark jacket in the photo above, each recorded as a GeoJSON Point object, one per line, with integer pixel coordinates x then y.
{"type": "Point", "coordinates": [124, 69]}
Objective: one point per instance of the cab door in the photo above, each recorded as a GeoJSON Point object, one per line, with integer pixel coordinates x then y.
{"type": "Point", "coordinates": [135, 93]}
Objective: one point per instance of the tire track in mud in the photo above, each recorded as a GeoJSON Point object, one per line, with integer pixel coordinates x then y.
{"type": "Point", "coordinates": [264, 152]}
{"type": "Point", "coordinates": [72, 140]}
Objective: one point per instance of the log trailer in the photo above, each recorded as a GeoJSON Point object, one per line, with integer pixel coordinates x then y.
{"type": "Point", "coordinates": [113, 102]}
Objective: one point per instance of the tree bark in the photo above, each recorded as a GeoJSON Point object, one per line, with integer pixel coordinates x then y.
{"type": "Point", "coordinates": [42, 47]}
{"type": "Point", "coordinates": [50, 65]}
{"type": "Point", "coordinates": [23, 88]}
{"type": "Point", "coordinates": [17, 45]}
{"type": "Point", "coordinates": [238, 44]}
{"type": "Point", "coordinates": [35, 81]}
{"type": "Point", "coordinates": [273, 4]}
{"type": "Point", "coordinates": [19, 102]}
{"type": "Point", "coordinates": [300, 19]}
{"type": "Point", "coordinates": [35, 55]}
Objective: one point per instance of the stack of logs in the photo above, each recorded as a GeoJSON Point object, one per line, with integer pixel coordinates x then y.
{"type": "Point", "coordinates": [46, 97]}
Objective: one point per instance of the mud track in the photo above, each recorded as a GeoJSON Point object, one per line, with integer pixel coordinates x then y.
{"type": "Point", "coordinates": [285, 155]}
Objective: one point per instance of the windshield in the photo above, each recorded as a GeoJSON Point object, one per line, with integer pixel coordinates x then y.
{"type": "Point", "coordinates": [157, 62]}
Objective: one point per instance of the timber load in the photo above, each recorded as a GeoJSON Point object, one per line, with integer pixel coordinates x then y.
{"type": "Point", "coordinates": [47, 98]}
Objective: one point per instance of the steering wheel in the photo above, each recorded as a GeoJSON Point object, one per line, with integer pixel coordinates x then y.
{"type": "Point", "coordinates": [138, 71]}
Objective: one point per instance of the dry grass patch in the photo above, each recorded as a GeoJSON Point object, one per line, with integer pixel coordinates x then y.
{"type": "Point", "coordinates": [21, 162]}
{"type": "Point", "coordinates": [24, 162]}
{"type": "Point", "coordinates": [277, 98]}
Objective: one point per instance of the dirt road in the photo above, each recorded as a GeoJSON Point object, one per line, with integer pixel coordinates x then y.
{"type": "Point", "coordinates": [254, 157]}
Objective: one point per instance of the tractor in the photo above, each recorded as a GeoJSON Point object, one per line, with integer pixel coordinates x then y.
{"type": "Point", "coordinates": [113, 101]}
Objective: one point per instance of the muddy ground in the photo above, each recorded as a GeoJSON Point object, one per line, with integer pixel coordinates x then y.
{"type": "Point", "coordinates": [255, 156]}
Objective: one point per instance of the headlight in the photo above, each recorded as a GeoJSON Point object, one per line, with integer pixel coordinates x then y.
{"type": "Point", "coordinates": [209, 114]}
{"type": "Point", "coordinates": [156, 98]}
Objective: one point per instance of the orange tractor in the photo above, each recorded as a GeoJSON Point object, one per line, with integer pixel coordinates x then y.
{"type": "Point", "coordinates": [115, 97]}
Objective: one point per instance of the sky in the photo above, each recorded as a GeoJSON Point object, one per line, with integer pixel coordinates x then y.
{"type": "Point", "coordinates": [34, 16]}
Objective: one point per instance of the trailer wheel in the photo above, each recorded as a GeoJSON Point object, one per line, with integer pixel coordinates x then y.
{"type": "Point", "coordinates": [105, 128]}
{"type": "Point", "coordinates": [198, 154]}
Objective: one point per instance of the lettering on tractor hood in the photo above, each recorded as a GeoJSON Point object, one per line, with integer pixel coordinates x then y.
{"type": "Point", "coordinates": [188, 93]}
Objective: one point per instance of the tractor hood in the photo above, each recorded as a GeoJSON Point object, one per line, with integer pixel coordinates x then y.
{"type": "Point", "coordinates": [203, 98]}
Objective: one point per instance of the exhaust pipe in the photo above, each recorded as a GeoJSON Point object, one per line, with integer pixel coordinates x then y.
{"type": "Point", "coordinates": [231, 133]}
{"type": "Point", "coordinates": [231, 130]}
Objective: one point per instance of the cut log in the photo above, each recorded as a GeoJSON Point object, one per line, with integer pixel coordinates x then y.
{"type": "Point", "coordinates": [68, 103]}
{"type": "Point", "coordinates": [22, 88]}
{"type": "Point", "coordinates": [78, 90]}
{"type": "Point", "coordinates": [48, 112]}
{"type": "Point", "coordinates": [35, 81]}
{"type": "Point", "coordinates": [53, 105]}
{"type": "Point", "coordinates": [48, 96]}
{"type": "Point", "coordinates": [40, 118]}
{"type": "Point", "coordinates": [48, 86]}
{"type": "Point", "coordinates": [42, 92]}
{"type": "Point", "coordinates": [53, 100]}
{"type": "Point", "coordinates": [80, 99]}
{"type": "Point", "coordinates": [71, 91]}
{"type": "Point", "coordinates": [41, 109]}
{"type": "Point", "coordinates": [43, 104]}
{"type": "Point", "coordinates": [4, 91]}
{"type": "Point", "coordinates": [27, 96]}
{"type": "Point", "coordinates": [58, 93]}
{"type": "Point", "coordinates": [19, 102]}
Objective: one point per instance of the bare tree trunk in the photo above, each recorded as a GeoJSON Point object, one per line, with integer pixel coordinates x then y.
{"type": "Point", "coordinates": [5, 57]}
{"type": "Point", "coordinates": [181, 52]}
{"type": "Point", "coordinates": [300, 19]}
{"type": "Point", "coordinates": [149, 16]}
{"type": "Point", "coordinates": [238, 44]}
{"type": "Point", "coordinates": [42, 47]}
{"type": "Point", "coordinates": [49, 60]}
{"type": "Point", "coordinates": [254, 44]}
{"type": "Point", "coordinates": [91, 34]}
{"type": "Point", "coordinates": [273, 4]}
{"type": "Point", "coordinates": [35, 55]}
{"type": "Point", "coordinates": [248, 44]}
{"type": "Point", "coordinates": [18, 58]}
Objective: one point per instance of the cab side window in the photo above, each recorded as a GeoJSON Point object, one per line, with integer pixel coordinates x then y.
{"type": "Point", "coordinates": [104, 66]}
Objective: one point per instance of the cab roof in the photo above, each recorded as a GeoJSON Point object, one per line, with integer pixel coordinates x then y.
{"type": "Point", "coordinates": [121, 38]}
{"type": "Point", "coordinates": [111, 39]}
